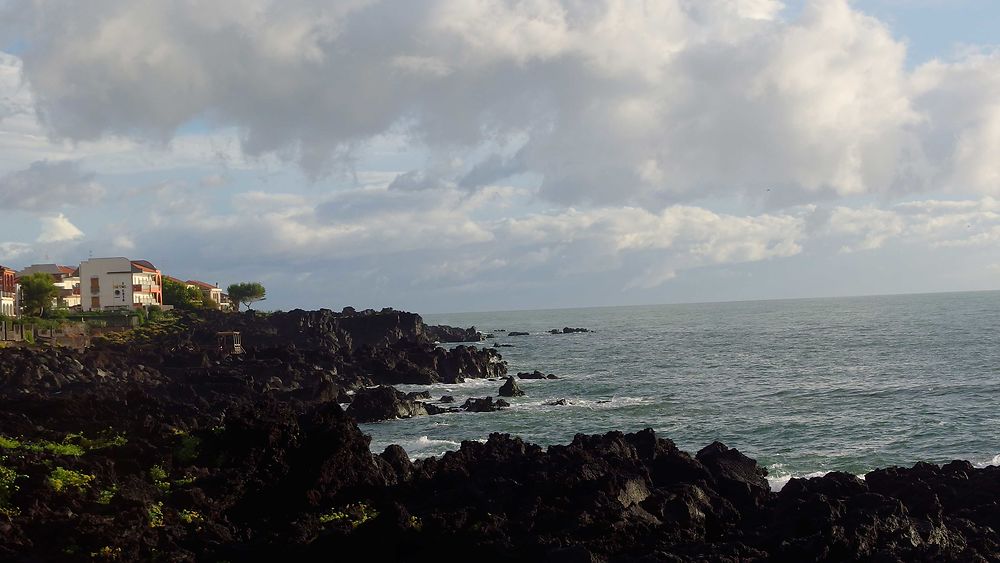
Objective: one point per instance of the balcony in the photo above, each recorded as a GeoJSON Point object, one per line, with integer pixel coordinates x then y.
{"type": "Point", "coordinates": [139, 288]}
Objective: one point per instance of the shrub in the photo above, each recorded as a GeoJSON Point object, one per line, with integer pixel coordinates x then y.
{"type": "Point", "coordinates": [154, 514]}
{"type": "Point", "coordinates": [62, 478]}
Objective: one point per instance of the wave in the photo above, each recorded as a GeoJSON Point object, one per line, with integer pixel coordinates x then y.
{"type": "Point", "coordinates": [778, 482]}
{"type": "Point", "coordinates": [591, 404]}
{"type": "Point", "coordinates": [993, 461]}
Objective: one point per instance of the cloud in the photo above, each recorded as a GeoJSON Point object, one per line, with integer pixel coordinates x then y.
{"type": "Point", "coordinates": [57, 228]}
{"type": "Point", "coordinates": [45, 186]}
{"type": "Point", "coordinates": [605, 102]}
{"type": "Point", "coordinates": [213, 181]}
{"type": "Point", "coordinates": [12, 251]}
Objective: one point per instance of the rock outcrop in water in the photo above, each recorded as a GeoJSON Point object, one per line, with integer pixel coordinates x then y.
{"type": "Point", "coordinates": [511, 389]}
{"type": "Point", "coordinates": [445, 333]}
{"type": "Point", "coordinates": [164, 452]}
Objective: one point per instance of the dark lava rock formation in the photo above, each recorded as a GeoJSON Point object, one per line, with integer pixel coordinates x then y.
{"type": "Point", "coordinates": [511, 389]}
{"type": "Point", "coordinates": [445, 333]}
{"type": "Point", "coordinates": [163, 452]}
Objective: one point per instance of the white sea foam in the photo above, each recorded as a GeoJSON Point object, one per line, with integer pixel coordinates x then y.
{"type": "Point", "coordinates": [778, 482]}
{"type": "Point", "coordinates": [995, 460]}
{"type": "Point", "coordinates": [425, 441]}
{"type": "Point", "coordinates": [592, 404]}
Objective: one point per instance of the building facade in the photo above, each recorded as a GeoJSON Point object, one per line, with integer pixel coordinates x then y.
{"type": "Point", "coordinates": [109, 284]}
{"type": "Point", "coordinates": [8, 292]}
{"type": "Point", "coordinates": [211, 292]}
{"type": "Point", "coordinates": [66, 279]}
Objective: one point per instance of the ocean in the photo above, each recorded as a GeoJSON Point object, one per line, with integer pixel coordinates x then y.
{"type": "Point", "coordinates": [804, 386]}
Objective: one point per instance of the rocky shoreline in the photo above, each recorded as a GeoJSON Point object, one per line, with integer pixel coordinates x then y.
{"type": "Point", "coordinates": [159, 449]}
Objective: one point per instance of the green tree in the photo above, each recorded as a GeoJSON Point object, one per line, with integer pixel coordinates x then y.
{"type": "Point", "coordinates": [246, 293]}
{"type": "Point", "coordinates": [180, 295]}
{"type": "Point", "coordinates": [37, 293]}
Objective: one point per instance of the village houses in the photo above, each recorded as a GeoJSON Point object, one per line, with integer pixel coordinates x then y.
{"type": "Point", "coordinates": [101, 284]}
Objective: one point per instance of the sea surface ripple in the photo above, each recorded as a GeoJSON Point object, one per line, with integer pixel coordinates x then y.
{"type": "Point", "coordinates": [804, 386]}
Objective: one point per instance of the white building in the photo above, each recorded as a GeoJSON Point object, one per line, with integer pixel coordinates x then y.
{"type": "Point", "coordinates": [66, 279]}
{"type": "Point", "coordinates": [211, 292]}
{"type": "Point", "coordinates": [119, 284]}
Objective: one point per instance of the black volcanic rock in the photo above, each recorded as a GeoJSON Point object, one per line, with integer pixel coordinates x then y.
{"type": "Point", "coordinates": [534, 375]}
{"type": "Point", "coordinates": [185, 456]}
{"type": "Point", "coordinates": [484, 405]}
{"type": "Point", "coordinates": [516, 333]}
{"type": "Point", "coordinates": [511, 389]}
{"type": "Point", "coordinates": [383, 403]}
{"type": "Point", "coordinates": [445, 333]}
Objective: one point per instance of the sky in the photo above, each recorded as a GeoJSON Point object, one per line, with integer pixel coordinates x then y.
{"type": "Point", "coordinates": [452, 155]}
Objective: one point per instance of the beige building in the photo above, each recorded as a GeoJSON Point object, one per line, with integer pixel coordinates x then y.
{"type": "Point", "coordinates": [109, 284]}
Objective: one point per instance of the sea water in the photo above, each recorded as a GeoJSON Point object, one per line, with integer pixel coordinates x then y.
{"type": "Point", "coordinates": [804, 386]}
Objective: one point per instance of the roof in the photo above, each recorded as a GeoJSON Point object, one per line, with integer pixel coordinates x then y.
{"type": "Point", "coordinates": [201, 284]}
{"type": "Point", "coordinates": [144, 265]}
{"type": "Point", "coordinates": [52, 269]}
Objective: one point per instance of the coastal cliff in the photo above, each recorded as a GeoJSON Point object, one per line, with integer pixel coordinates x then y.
{"type": "Point", "coordinates": [160, 449]}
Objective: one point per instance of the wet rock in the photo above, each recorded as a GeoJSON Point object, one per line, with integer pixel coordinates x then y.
{"type": "Point", "coordinates": [531, 375]}
{"type": "Point", "coordinates": [447, 399]}
{"type": "Point", "coordinates": [511, 389]}
{"type": "Point", "coordinates": [484, 405]}
{"type": "Point", "coordinates": [557, 403]}
{"type": "Point", "coordinates": [516, 333]}
{"type": "Point", "coordinates": [383, 403]}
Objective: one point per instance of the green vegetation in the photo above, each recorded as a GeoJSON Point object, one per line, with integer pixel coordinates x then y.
{"type": "Point", "coordinates": [107, 552]}
{"type": "Point", "coordinates": [61, 479]}
{"type": "Point", "coordinates": [354, 514]}
{"type": "Point", "coordinates": [159, 477]}
{"type": "Point", "coordinates": [154, 515]}
{"type": "Point", "coordinates": [181, 296]}
{"type": "Point", "coordinates": [246, 293]}
{"type": "Point", "coordinates": [190, 516]}
{"type": "Point", "coordinates": [38, 291]}
{"type": "Point", "coordinates": [72, 444]}
{"type": "Point", "coordinates": [187, 449]}
{"type": "Point", "coordinates": [157, 326]}
{"type": "Point", "coordinates": [105, 496]}
{"type": "Point", "coordinates": [8, 486]}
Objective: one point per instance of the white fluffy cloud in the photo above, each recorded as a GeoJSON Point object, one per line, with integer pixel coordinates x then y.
{"type": "Point", "coordinates": [490, 146]}
{"type": "Point", "coordinates": [607, 102]}
{"type": "Point", "coordinates": [57, 228]}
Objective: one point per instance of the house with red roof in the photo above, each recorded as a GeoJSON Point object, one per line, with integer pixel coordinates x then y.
{"type": "Point", "coordinates": [66, 279]}
{"type": "Point", "coordinates": [8, 292]}
{"type": "Point", "coordinates": [211, 292]}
